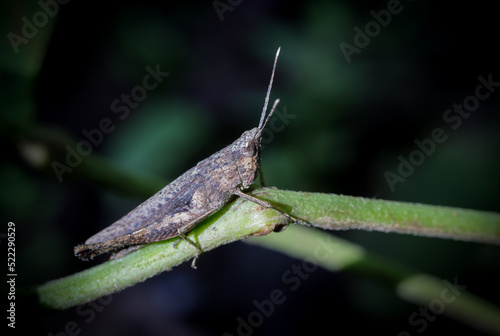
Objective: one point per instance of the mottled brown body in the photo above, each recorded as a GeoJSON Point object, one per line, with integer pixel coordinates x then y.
{"type": "Point", "coordinates": [193, 196]}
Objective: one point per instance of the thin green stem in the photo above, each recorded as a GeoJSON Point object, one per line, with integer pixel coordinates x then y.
{"type": "Point", "coordinates": [94, 169]}
{"type": "Point", "coordinates": [441, 296]}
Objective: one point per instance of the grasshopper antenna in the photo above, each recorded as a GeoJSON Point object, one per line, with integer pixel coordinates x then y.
{"type": "Point", "coordinates": [266, 102]}
{"type": "Point", "coordinates": [271, 113]}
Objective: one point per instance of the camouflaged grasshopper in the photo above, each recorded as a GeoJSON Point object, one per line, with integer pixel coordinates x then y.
{"type": "Point", "coordinates": [177, 208]}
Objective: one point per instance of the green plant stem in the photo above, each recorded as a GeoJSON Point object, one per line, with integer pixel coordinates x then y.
{"type": "Point", "coordinates": [233, 222]}
{"type": "Point", "coordinates": [339, 212]}
{"type": "Point", "coordinates": [242, 219]}
{"type": "Point", "coordinates": [93, 169]}
{"type": "Point", "coordinates": [335, 254]}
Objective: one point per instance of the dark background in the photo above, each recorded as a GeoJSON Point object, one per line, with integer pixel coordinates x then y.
{"type": "Point", "coordinates": [352, 121]}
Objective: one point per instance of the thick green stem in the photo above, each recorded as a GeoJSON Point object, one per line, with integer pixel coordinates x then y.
{"type": "Point", "coordinates": [239, 220]}
{"type": "Point", "coordinates": [243, 219]}
{"type": "Point", "coordinates": [338, 212]}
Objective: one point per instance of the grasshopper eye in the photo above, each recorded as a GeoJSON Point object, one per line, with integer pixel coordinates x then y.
{"type": "Point", "coordinates": [247, 148]}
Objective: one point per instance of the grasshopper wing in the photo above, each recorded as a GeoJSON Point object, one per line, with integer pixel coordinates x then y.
{"type": "Point", "coordinates": [168, 203]}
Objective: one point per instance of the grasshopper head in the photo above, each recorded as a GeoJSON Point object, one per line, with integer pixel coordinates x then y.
{"type": "Point", "coordinates": [246, 149]}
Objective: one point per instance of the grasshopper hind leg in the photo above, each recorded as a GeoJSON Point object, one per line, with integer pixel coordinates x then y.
{"type": "Point", "coordinates": [196, 245]}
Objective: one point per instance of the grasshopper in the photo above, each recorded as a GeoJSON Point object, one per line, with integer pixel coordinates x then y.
{"type": "Point", "coordinates": [199, 192]}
